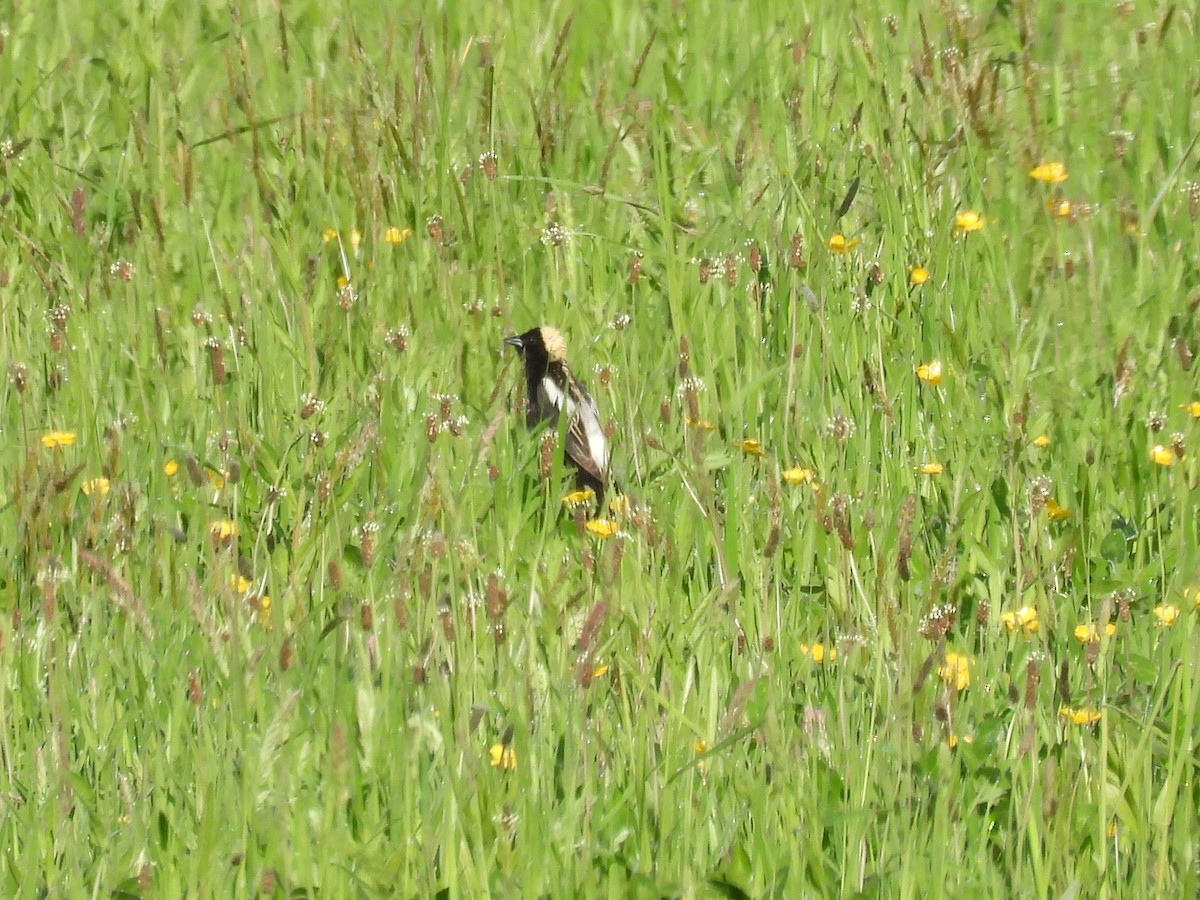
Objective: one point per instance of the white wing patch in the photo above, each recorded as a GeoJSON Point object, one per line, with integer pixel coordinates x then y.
{"type": "Point", "coordinates": [595, 435]}
{"type": "Point", "coordinates": [555, 395]}
{"type": "Point", "coordinates": [588, 418]}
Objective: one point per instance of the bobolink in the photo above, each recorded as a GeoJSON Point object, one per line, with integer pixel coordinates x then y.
{"type": "Point", "coordinates": [550, 386]}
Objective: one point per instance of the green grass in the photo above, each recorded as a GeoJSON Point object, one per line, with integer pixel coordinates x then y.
{"type": "Point", "coordinates": [181, 186]}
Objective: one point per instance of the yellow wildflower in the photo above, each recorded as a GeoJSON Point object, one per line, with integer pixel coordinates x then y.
{"type": "Point", "coordinates": [1086, 633]}
{"type": "Point", "coordinates": [262, 610]}
{"type": "Point", "coordinates": [1193, 408]}
{"type": "Point", "coordinates": [968, 220]}
{"type": "Point", "coordinates": [701, 424]}
{"type": "Point", "coordinates": [1055, 512]}
{"type": "Point", "coordinates": [1081, 716]}
{"type": "Point", "coordinates": [223, 530]}
{"type": "Point", "coordinates": [97, 486]}
{"type": "Point", "coordinates": [750, 446]}
{"type": "Point", "coordinates": [819, 653]}
{"type": "Point", "coordinates": [396, 235]}
{"type": "Point", "coordinates": [918, 275]}
{"type": "Point", "coordinates": [1059, 207]}
{"type": "Point", "coordinates": [1162, 456]}
{"type": "Point", "coordinates": [502, 756]}
{"type": "Point", "coordinates": [355, 238]}
{"type": "Point", "coordinates": [170, 468]}
{"type": "Point", "coordinates": [620, 505]}
{"type": "Point", "coordinates": [1024, 620]}
{"type": "Point", "coordinates": [55, 439]}
{"type": "Point", "coordinates": [1042, 440]}
{"type": "Point", "coordinates": [700, 746]}
{"type": "Point", "coordinates": [1167, 614]}
{"type": "Point", "coordinates": [240, 583]}
{"type": "Point", "coordinates": [930, 468]}
{"type": "Point", "coordinates": [798, 475]}
{"type": "Point", "coordinates": [329, 235]}
{"type": "Point", "coordinates": [601, 528]}
{"type": "Point", "coordinates": [931, 372]}
{"type": "Point", "coordinates": [839, 244]}
{"type": "Point", "coordinates": [1049, 173]}
{"type": "Point", "coordinates": [578, 498]}
{"type": "Point", "coordinates": [955, 670]}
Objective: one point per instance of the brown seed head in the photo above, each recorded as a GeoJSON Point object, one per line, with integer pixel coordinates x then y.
{"type": "Point", "coordinates": [796, 257]}
{"type": "Point", "coordinates": [1033, 677]}
{"type": "Point", "coordinates": [195, 692]}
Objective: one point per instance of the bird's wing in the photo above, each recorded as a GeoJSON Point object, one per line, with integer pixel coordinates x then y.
{"type": "Point", "coordinates": [586, 443]}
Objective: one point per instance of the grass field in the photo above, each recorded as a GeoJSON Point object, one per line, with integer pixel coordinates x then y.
{"type": "Point", "coordinates": [894, 319]}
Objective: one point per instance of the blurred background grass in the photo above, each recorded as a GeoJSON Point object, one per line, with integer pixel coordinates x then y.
{"type": "Point", "coordinates": [290, 607]}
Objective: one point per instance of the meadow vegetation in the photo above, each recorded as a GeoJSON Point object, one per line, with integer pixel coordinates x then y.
{"type": "Point", "coordinates": [891, 310]}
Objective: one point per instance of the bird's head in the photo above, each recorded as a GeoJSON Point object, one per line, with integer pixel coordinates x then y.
{"type": "Point", "coordinates": [536, 341]}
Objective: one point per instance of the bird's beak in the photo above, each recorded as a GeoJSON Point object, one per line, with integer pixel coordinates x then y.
{"type": "Point", "coordinates": [515, 341]}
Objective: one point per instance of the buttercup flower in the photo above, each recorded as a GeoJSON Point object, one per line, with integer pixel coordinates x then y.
{"type": "Point", "coordinates": [396, 235]}
{"type": "Point", "coordinates": [601, 528]}
{"type": "Point", "coordinates": [619, 505]}
{"type": "Point", "coordinates": [96, 487]}
{"type": "Point", "coordinates": [1042, 440]}
{"type": "Point", "coordinates": [1193, 408]}
{"type": "Point", "coordinates": [578, 498]}
{"type": "Point", "coordinates": [223, 530]}
{"type": "Point", "coordinates": [930, 468]}
{"type": "Point", "coordinates": [750, 446]}
{"type": "Point", "coordinates": [1024, 620]}
{"type": "Point", "coordinates": [798, 475]}
{"type": "Point", "coordinates": [1086, 633]}
{"type": "Point", "coordinates": [1049, 173]}
{"type": "Point", "coordinates": [1059, 207]}
{"type": "Point", "coordinates": [262, 610]}
{"type": "Point", "coordinates": [955, 670]}
{"type": "Point", "coordinates": [1082, 716]}
{"type": "Point", "coordinates": [1167, 614]}
{"type": "Point", "coordinates": [1162, 456]}
{"type": "Point", "coordinates": [819, 653]}
{"type": "Point", "coordinates": [1055, 512]}
{"type": "Point", "coordinates": [502, 756]}
{"type": "Point", "coordinates": [968, 220]}
{"type": "Point", "coordinates": [931, 372]}
{"type": "Point", "coordinates": [839, 244]}
{"type": "Point", "coordinates": [56, 439]}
